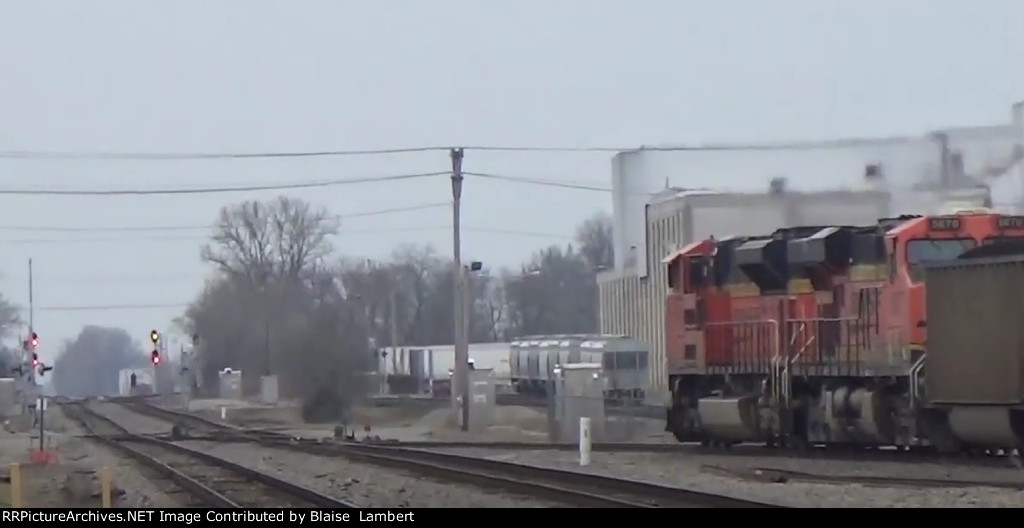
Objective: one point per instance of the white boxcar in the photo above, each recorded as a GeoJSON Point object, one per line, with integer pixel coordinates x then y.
{"type": "Point", "coordinates": [624, 360]}
{"type": "Point", "coordinates": [492, 356]}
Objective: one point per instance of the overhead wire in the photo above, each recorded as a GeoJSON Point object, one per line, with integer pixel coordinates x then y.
{"type": "Point", "coordinates": [104, 307]}
{"type": "Point", "coordinates": [196, 238]}
{"type": "Point", "coordinates": [250, 188]}
{"type": "Point", "coordinates": [113, 307]}
{"type": "Point", "coordinates": [111, 279]}
{"type": "Point", "coordinates": [539, 181]}
{"type": "Point", "coordinates": [196, 227]}
{"type": "Point", "coordinates": [167, 156]}
{"type": "Point", "coordinates": [217, 190]}
{"type": "Point", "coordinates": [144, 156]}
{"type": "Point", "coordinates": [302, 185]}
{"type": "Point", "coordinates": [59, 155]}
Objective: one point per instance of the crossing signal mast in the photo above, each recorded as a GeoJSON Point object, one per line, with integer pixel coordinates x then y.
{"type": "Point", "coordinates": [37, 366]}
{"type": "Point", "coordinates": [154, 336]}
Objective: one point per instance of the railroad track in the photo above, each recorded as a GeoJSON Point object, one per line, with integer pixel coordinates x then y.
{"type": "Point", "coordinates": [576, 488]}
{"type": "Point", "coordinates": [594, 490]}
{"type": "Point", "coordinates": [775, 475]}
{"type": "Point", "coordinates": [214, 430]}
{"type": "Point", "coordinates": [210, 481]}
{"type": "Point", "coordinates": [746, 450]}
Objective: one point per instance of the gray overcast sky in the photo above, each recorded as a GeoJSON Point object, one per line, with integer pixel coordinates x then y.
{"type": "Point", "coordinates": [253, 75]}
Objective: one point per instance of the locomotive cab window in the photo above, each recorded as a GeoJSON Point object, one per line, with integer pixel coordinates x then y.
{"type": "Point", "coordinates": [697, 274]}
{"type": "Point", "coordinates": [922, 250]}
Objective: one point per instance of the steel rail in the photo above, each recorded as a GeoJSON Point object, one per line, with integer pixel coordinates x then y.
{"type": "Point", "coordinates": [743, 450]}
{"type": "Point", "coordinates": [122, 440]}
{"type": "Point", "coordinates": [653, 495]}
{"type": "Point", "coordinates": [582, 489]}
{"type": "Point", "coordinates": [775, 475]}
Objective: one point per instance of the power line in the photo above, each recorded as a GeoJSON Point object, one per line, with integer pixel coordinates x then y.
{"type": "Point", "coordinates": [538, 181]}
{"type": "Point", "coordinates": [56, 155]}
{"type": "Point", "coordinates": [196, 227]}
{"type": "Point", "coordinates": [112, 279]}
{"type": "Point", "coordinates": [575, 185]}
{"type": "Point", "coordinates": [301, 185]}
{"type": "Point", "coordinates": [218, 190]}
{"type": "Point", "coordinates": [170, 156]}
{"type": "Point", "coordinates": [198, 238]}
{"type": "Point", "coordinates": [108, 307]}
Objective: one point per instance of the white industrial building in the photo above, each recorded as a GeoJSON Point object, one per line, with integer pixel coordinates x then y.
{"type": "Point", "coordinates": [665, 197]}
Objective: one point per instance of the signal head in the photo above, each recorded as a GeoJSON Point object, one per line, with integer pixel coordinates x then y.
{"type": "Point", "coordinates": [35, 359]}
{"type": "Point", "coordinates": [155, 357]}
{"type": "Point", "coordinates": [34, 342]}
{"type": "Point", "coordinates": [154, 336]}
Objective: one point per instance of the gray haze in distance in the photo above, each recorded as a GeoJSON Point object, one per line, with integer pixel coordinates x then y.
{"type": "Point", "coordinates": [255, 75]}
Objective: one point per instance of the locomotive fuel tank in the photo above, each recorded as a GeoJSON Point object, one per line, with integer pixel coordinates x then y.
{"type": "Point", "coordinates": [974, 370]}
{"type": "Point", "coordinates": [737, 419]}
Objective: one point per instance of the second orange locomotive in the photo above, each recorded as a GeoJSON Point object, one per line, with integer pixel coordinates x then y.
{"type": "Point", "coordinates": [810, 335]}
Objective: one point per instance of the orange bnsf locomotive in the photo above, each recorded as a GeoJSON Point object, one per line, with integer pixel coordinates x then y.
{"type": "Point", "coordinates": [816, 335]}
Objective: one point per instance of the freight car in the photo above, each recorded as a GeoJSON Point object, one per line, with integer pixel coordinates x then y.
{"type": "Point", "coordinates": [974, 382]}
{"type": "Point", "coordinates": [625, 362]}
{"type": "Point", "coordinates": [816, 335]}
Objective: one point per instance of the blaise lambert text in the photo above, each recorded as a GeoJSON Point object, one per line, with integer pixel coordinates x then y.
{"type": "Point", "coordinates": [363, 516]}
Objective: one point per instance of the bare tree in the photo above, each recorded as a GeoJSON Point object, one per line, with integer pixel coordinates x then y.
{"type": "Point", "coordinates": [495, 312]}
{"type": "Point", "coordinates": [594, 237]}
{"type": "Point", "coordinates": [275, 306]}
{"type": "Point", "coordinates": [262, 240]}
{"type": "Point", "coordinates": [10, 317]}
{"type": "Point", "coordinates": [555, 293]}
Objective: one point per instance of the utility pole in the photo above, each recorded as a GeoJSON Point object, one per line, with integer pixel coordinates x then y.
{"type": "Point", "coordinates": [461, 385]}
{"type": "Point", "coordinates": [266, 346]}
{"type": "Point", "coordinates": [467, 309]}
{"type": "Point", "coordinates": [394, 328]}
{"type": "Point", "coordinates": [31, 322]}
{"type": "Point", "coordinates": [31, 304]}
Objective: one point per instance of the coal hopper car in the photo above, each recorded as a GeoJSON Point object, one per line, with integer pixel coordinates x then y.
{"type": "Point", "coordinates": [974, 369]}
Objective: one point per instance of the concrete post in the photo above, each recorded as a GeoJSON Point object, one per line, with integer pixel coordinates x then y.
{"type": "Point", "coordinates": [106, 488]}
{"type": "Point", "coordinates": [16, 497]}
{"type": "Point", "coordinates": [584, 441]}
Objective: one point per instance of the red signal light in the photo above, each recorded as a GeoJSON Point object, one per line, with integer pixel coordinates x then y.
{"type": "Point", "coordinates": [155, 357]}
{"type": "Point", "coordinates": [35, 359]}
{"type": "Point", "coordinates": [35, 340]}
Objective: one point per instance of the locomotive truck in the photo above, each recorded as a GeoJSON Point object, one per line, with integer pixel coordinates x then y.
{"type": "Point", "coordinates": [817, 335]}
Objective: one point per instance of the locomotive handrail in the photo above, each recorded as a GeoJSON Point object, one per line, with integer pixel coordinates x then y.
{"type": "Point", "coordinates": [915, 383]}
{"type": "Point", "coordinates": [782, 387]}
